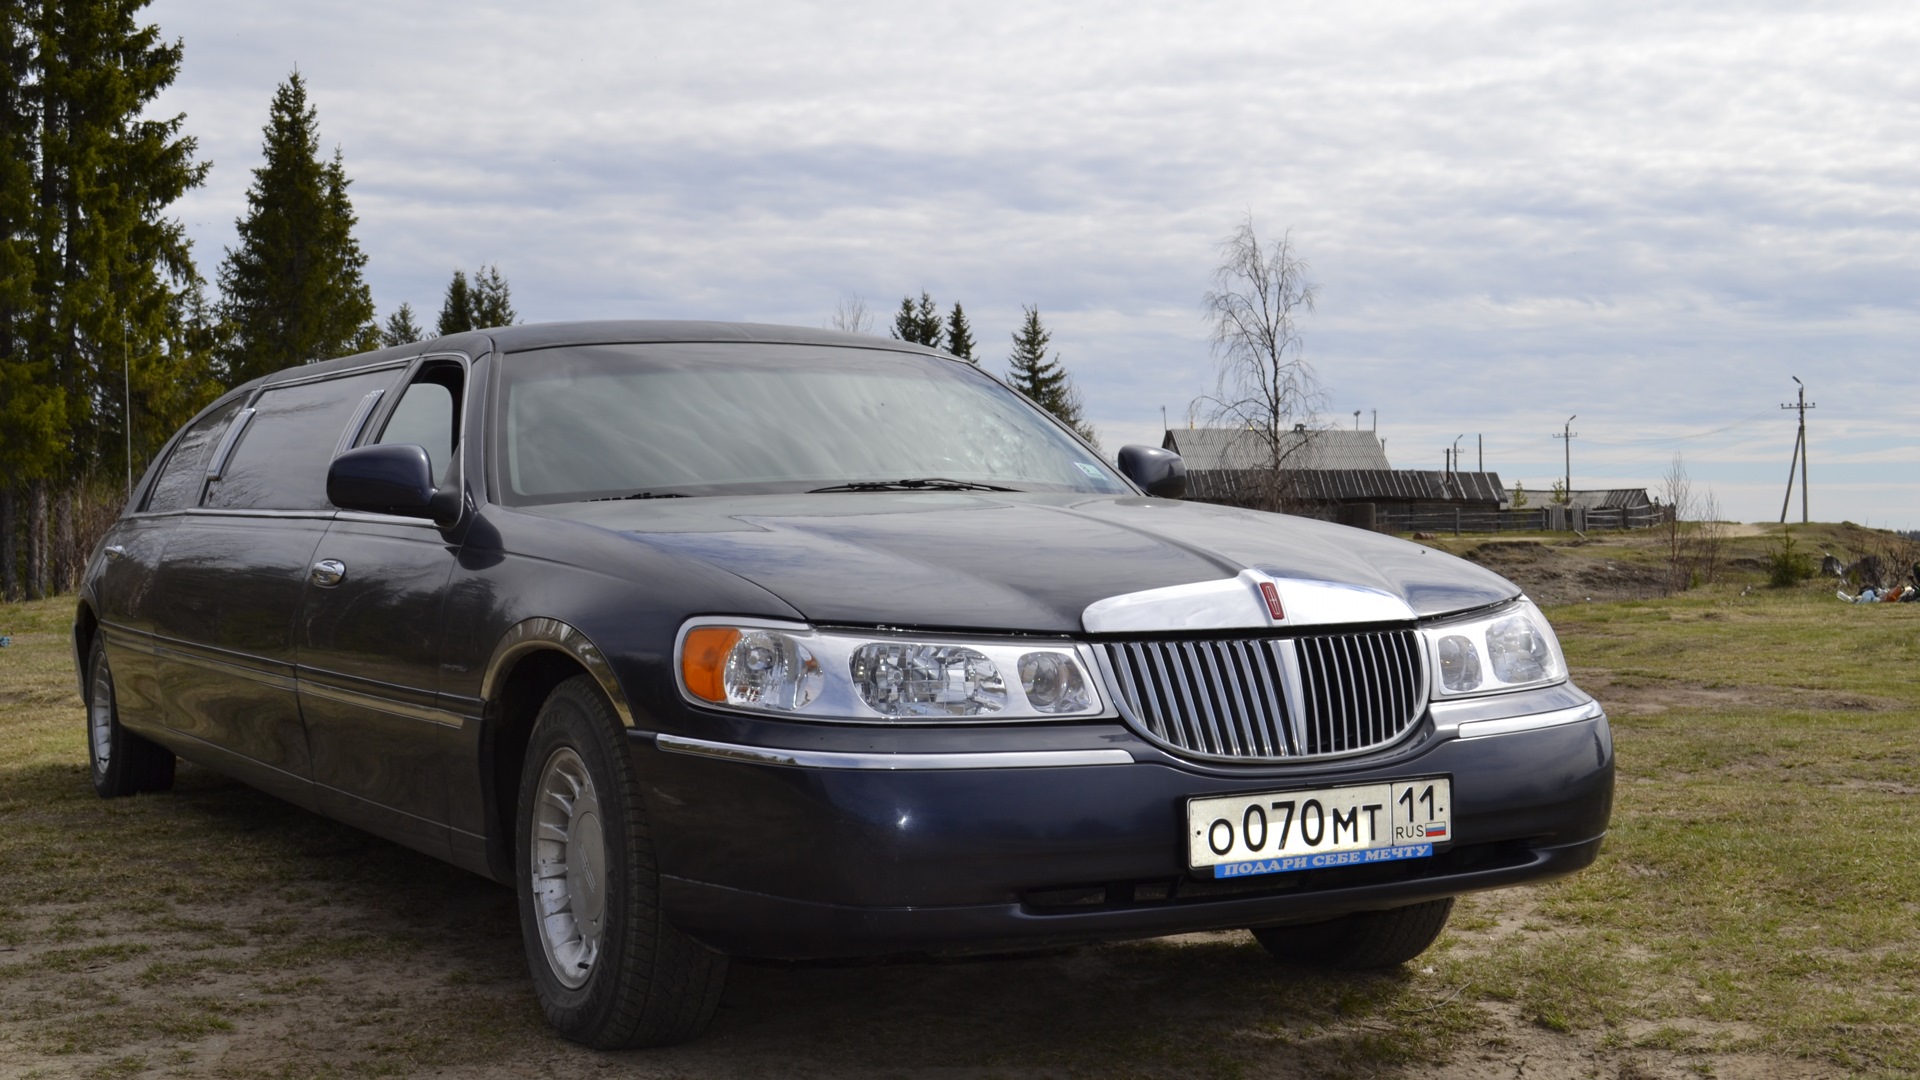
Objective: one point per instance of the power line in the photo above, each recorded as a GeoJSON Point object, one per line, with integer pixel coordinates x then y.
{"type": "Point", "coordinates": [1669, 440]}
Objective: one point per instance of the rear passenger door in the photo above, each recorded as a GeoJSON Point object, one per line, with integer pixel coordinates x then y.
{"type": "Point", "coordinates": [236, 568]}
{"type": "Point", "coordinates": [370, 639]}
{"type": "Point", "coordinates": [133, 553]}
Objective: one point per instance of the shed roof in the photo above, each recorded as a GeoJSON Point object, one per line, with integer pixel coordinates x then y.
{"type": "Point", "coordinates": [1241, 448]}
{"type": "Point", "coordinates": [1610, 499]}
{"type": "Point", "coordinates": [1355, 485]}
{"type": "Point", "coordinates": [1398, 485]}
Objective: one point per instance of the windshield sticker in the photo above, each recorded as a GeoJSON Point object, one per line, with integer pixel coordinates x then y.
{"type": "Point", "coordinates": [1091, 470]}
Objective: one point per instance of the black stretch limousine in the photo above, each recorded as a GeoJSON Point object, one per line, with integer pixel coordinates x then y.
{"type": "Point", "coordinates": [745, 640]}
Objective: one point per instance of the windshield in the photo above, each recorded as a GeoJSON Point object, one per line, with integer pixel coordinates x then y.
{"type": "Point", "coordinates": [632, 421]}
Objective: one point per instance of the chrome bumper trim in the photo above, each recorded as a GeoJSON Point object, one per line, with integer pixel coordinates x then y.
{"type": "Point", "coordinates": [1506, 725]}
{"type": "Point", "coordinates": [833, 759]}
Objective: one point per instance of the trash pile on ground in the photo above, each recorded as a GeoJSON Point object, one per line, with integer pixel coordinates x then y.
{"type": "Point", "coordinates": [1871, 572]}
{"type": "Point", "coordinates": [1899, 594]}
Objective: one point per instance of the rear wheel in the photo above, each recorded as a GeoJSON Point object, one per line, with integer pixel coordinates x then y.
{"type": "Point", "coordinates": [608, 970]}
{"type": "Point", "coordinates": [1360, 941]}
{"type": "Point", "coordinates": [123, 763]}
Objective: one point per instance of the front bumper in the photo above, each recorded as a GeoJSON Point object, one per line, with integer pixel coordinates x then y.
{"type": "Point", "coordinates": [792, 854]}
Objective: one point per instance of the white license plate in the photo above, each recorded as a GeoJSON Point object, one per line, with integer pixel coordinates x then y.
{"type": "Point", "coordinates": [1282, 831]}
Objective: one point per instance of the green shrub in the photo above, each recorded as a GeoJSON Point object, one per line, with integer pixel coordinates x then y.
{"type": "Point", "coordinates": [1787, 567]}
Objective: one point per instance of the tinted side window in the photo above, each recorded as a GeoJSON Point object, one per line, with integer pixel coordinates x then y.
{"type": "Point", "coordinates": [178, 485]}
{"type": "Point", "coordinates": [428, 415]}
{"type": "Point", "coordinates": [281, 462]}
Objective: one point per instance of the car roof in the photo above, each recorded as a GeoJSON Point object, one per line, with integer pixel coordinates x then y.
{"type": "Point", "coordinates": [603, 332]}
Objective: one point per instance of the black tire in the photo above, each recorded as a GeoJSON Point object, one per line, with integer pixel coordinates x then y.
{"type": "Point", "coordinates": [608, 970]}
{"type": "Point", "coordinates": [122, 763]}
{"type": "Point", "coordinates": [1362, 941]}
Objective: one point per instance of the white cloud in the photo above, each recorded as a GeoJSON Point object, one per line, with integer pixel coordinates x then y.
{"type": "Point", "coordinates": [1644, 213]}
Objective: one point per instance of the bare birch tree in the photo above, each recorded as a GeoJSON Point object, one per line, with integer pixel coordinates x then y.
{"type": "Point", "coordinates": [851, 315]}
{"type": "Point", "coordinates": [1265, 386]}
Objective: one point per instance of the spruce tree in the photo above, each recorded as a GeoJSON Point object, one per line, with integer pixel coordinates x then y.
{"type": "Point", "coordinates": [1042, 379]}
{"type": "Point", "coordinates": [480, 303]}
{"type": "Point", "coordinates": [95, 283]}
{"type": "Point", "coordinates": [491, 299]}
{"type": "Point", "coordinates": [959, 334]}
{"type": "Point", "coordinates": [932, 327]}
{"type": "Point", "coordinates": [400, 328]}
{"type": "Point", "coordinates": [906, 325]}
{"type": "Point", "coordinates": [919, 323]}
{"type": "Point", "coordinates": [292, 292]}
{"type": "Point", "coordinates": [456, 311]}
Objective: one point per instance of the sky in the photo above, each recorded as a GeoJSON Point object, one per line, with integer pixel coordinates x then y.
{"type": "Point", "coordinates": [1650, 216]}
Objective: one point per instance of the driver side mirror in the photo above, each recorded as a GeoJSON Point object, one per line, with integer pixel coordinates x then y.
{"type": "Point", "coordinates": [391, 478]}
{"type": "Point", "coordinates": [1160, 472]}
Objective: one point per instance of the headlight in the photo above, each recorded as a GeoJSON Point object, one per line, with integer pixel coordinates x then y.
{"type": "Point", "coordinates": [1510, 649]}
{"type": "Point", "coordinates": [796, 670]}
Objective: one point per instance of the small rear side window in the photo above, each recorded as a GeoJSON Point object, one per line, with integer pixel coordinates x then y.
{"type": "Point", "coordinates": [281, 462]}
{"type": "Point", "coordinates": [178, 486]}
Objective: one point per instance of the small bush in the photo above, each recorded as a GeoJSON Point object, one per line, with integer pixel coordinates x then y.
{"type": "Point", "coordinates": [1787, 567]}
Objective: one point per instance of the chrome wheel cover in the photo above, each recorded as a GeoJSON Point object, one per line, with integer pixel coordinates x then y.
{"type": "Point", "coordinates": [100, 717]}
{"type": "Point", "coordinates": [569, 867]}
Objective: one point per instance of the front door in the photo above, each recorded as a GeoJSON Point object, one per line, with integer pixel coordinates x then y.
{"type": "Point", "coordinates": [370, 637]}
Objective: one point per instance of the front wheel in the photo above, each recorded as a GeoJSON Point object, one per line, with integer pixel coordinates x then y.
{"type": "Point", "coordinates": [1361, 941]}
{"type": "Point", "coordinates": [123, 763]}
{"type": "Point", "coordinates": [608, 970]}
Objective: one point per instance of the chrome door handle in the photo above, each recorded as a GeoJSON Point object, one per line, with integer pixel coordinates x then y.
{"type": "Point", "coordinates": [329, 572]}
{"type": "Point", "coordinates": [115, 551]}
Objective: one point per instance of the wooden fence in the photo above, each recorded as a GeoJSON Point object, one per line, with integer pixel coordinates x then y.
{"type": "Point", "coordinates": [1469, 519]}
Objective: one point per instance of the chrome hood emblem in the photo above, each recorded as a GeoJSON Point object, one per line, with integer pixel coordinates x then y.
{"type": "Point", "coordinates": [1252, 600]}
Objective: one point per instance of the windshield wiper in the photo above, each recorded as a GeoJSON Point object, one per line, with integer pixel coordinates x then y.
{"type": "Point", "coordinates": [924, 483]}
{"type": "Point", "coordinates": [640, 495]}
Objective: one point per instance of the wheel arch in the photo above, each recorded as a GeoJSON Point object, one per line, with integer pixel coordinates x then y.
{"type": "Point", "coordinates": [533, 656]}
{"type": "Point", "coordinates": [86, 625]}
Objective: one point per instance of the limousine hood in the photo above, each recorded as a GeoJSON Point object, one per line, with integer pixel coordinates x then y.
{"type": "Point", "coordinates": [1037, 562]}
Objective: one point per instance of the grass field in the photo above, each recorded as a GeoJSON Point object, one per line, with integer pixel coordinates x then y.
{"type": "Point", "coordinates": [1756, 913]}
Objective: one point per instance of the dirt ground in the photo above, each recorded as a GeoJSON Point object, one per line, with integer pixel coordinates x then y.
{"type": "Point", "coordinates": [359, 958]}
{"type": "Point", "coordinates": [1566, 573]}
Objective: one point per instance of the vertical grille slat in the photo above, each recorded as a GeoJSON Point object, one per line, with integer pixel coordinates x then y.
{"type": "Point", "coordinates": [1230, 698]}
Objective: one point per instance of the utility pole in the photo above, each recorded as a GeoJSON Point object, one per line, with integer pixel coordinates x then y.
{"type": "Point", "coordinates": [1480, 441]}
{"type": "Point", "coordinates": [1799, 455]}
{"type": "Point", "coordinates": [1567, 433]}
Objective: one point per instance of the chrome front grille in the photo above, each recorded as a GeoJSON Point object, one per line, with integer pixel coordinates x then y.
{"type": "Point", "coordinates": [1268, 699]}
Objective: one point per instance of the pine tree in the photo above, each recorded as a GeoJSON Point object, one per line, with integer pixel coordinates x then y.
{"type": "Point", "coordinates": [400, 328]}
{"type": "Point", "coordinates": [919, 323]}
{"type": "Point", "coordinates": [456, 311]}
{"type": "Point", "coordinates": [959, 334]}
{"type": "Point", "coordinates": [1045, 381]}
{"type": "Point", "coordinates": [292, 292]}
{"type": "Point", "coordinates": [492, 303]}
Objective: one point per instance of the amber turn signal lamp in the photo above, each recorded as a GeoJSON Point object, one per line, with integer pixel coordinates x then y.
{"type": "Point", "coordinates": [703, 660]}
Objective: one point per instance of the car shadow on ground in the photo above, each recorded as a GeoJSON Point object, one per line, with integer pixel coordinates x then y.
{"type": "Point", "coordinates": [379, 956]}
